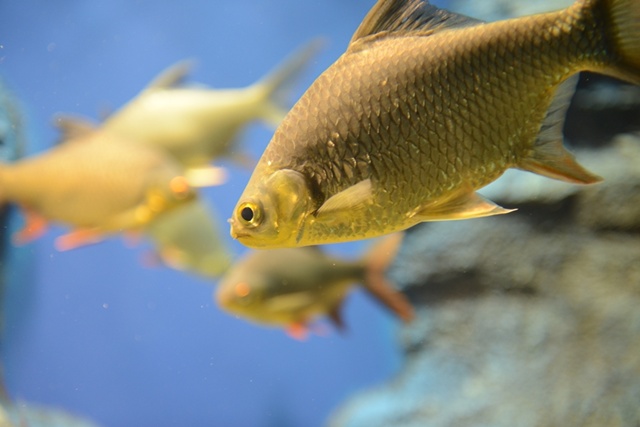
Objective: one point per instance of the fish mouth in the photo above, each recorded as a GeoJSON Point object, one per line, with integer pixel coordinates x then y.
{"type": "Point", "coordinates": [238, 235]}
{"type": "Point", "coordinates": [234, 233]}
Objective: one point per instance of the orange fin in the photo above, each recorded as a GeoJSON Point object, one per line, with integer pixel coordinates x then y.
{"type": "Point", "coordinates": [132, 238]}
{"type": "Point", "coordinates": [298, 331]}
{"type": "Point", "coordinates": [384, 251]}
{"type": "Point", "coordinates": [77, 238]}
{"type": "Point", "coordinates": [151, 259]}
{"type": "Point", "coordinates": [34, 227]}
{"type": "Point", "coordinates": [375, 283]}
{"type": "Point", "coordinates": [380, 289]}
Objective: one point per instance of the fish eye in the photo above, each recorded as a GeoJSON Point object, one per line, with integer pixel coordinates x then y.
{"type": "Point", "coordinates": [247, 214]}
{"type": "Point", "coordinates": [250, 213]}
{"type": "Point", "coordinates": [241, 289]}
{"type": "Point", "coordinates": [243, 293]}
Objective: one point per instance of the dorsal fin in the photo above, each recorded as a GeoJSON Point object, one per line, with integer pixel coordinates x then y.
{"type": "Point", "coordinates": [172, 76]}
{"type": "Point", "coordinates": [71, 127]}
{"type": "Point", "coordinates": [403, 16]}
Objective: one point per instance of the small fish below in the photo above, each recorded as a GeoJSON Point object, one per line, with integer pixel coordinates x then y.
{"type": "Point", "coordinates": [293, 286]}
{"type": "Point", "coordinates": [187, 238]}
{"type": "Point", "coordinates": [94, 182]}
{"type": "Point", "coordinates": [197, 124]}
{"type": "Point", "coordinates": [424, 108]}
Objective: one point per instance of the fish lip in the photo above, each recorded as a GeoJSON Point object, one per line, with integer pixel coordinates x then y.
{"type": "Point", "coordinates": [238, 235]}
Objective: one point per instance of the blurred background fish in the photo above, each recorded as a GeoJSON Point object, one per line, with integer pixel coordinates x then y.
{"type": "Point", "coordinates": [293, 286]}
{"type": "Point", "coordinates": [424, 108]}
{"type": "Point", "coordinates": [198, 124]}
{"type": "Point", "coordinates": [94, 182]}
{"type": "Point", "coordinates": [188, 238]}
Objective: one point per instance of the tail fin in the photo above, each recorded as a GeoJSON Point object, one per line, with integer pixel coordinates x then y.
{"type": "Point", "coordinates": [375, 283]}
{"type": "Point", "coordinates": [621, 23]}
{"type": "Point", "coordinates": [276, 86]}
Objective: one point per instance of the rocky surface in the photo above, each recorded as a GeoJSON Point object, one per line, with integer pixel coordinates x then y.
{"type": "Point", "coordinates": [525, 319]}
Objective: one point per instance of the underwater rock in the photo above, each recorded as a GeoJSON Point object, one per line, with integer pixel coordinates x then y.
{"type": "Point", "coordinates": [526, 319]}
{"type": "Point", "coordinates": [12, 146]}
{"type": "Point", "coordinates": [12, 139]}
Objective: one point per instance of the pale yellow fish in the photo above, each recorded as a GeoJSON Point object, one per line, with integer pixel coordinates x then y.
{"type": "Point", "coordinates": [292, 287]}
{"type": "Point", "coordinates": [96, 183]}
{"type": "Point", "coordinates": [187, 238]}
{"type": "Point", "coordinates": [198, 124]}
{"type": "Point", "coordinates": [424, 108]}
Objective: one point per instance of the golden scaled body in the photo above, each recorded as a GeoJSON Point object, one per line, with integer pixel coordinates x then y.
{"type": "Point", "coordinates": [423, 109]}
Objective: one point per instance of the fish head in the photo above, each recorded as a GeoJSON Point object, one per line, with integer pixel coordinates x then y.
{"type": "Point", "coordinates": [272, 210]}
{"type": "Point", "coordinates": [237, 296]}
{"type": "Point", "coordinates": [166, 194]}
{"type": "Point", "coordinates": [272, 287]}
{"type": "Point", "coordinates": [242, 291]}
{"type": "Point", "coordinates": [162, 196]}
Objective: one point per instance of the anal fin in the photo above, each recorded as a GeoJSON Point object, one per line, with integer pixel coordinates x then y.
{"type": "Point", "coordinates": [554, 161]}
{"type": "Point", "coordinates": [549, 157]}
{"type": "Point", "coordinates": [34, 227]}
{"type": "Point", "coordinates": [463, 206]}
{"type": "Point", "coordinates": [298, 331]}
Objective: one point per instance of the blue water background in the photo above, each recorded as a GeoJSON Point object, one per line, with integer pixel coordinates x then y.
{"type": "Point", "coordinates": [125, 345]}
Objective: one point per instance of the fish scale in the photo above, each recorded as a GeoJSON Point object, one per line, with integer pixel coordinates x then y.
{"type": "Point", "coordinates": [430, 106]}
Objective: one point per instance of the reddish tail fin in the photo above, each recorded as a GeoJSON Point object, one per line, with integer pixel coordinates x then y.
{"type": "Point", "coordinates": [376, 284]}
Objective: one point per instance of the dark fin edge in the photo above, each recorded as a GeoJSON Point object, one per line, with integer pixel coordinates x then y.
{"type": "Point", "coordinates": [404, 16]}
{"type": "Point", "coordinates": [549, 157]}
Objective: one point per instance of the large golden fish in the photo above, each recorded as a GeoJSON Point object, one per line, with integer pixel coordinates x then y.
{"type": "Point", "coordinates": [424, 108]}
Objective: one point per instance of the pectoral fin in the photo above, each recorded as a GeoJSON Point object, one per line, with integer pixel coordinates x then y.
{"type": "Point", "coordinates": [463, 206]}
{"type": "Point", "coordinates": [206, 176]}
{"type": "Point", "coordinates": [34, 227]}
{"type": "Point", "coordinates": [72, 127]}
{"type": "Point", "coordinates": [298, 331]}
{"type": "Point", "coordinates": [78, 238]}
{"type": "Point", "coordinates": [353, 198]}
